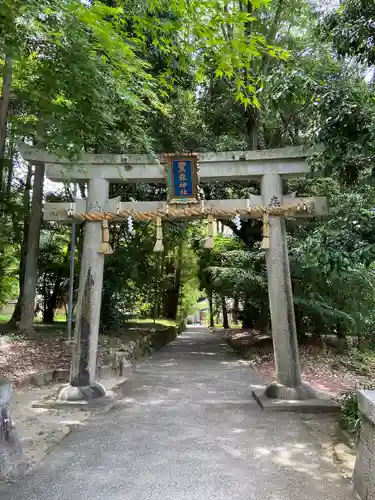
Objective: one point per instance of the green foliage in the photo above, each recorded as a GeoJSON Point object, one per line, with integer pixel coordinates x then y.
{"type": "Point", "coordinates": [195, 76]}
{"type": "Point", "coordinates": [8, 279]}
{"type": "Point", "coordinates": [332, 266]}
{"type": "Point", "coordinates": [350, 414]}
{"type": "Point", "coordinates": [351, 30]}
{"type": "Point", "coordinates": [53, 269]}
{"type": "Point", "coordinates": [189, 276]}
{"type": "Point", "coordinates": [130, 278]}
{"type": "Point", "coordinates": [77, 80]}
{"type": "Point", "coordinates": [346, 113]}
{"type": "Point", "coordinates": [351, 418]}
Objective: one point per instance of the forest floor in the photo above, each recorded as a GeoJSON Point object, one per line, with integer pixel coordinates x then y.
{"type": "Point", "coordinates": [330, 370]}
{"type": "Point", "coordinates": [325, 368]}
{"type": "Point", "coordinates": [45, 349]}
{"type": "Point", "coordinates": [22, 356]}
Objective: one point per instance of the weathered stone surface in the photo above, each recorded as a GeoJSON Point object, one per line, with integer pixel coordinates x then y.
{"type": "Point", "coordinates": [48, 376]}
{"type": "Point", "coordinates": [38, 379]}
{"type": "Point", "coordinates": [281, 297]}
{"type": "Point", "coordinates": [12, 461]}
{"type": "Point", "coordinates": [361, 472]}
{"type": "Point", "coordinates": [298, 393]}
{"type": "Point", "coordinates": [306, 405]}
{"type": "Point", "coordinates": [83, 393]}
{"type": "Point", "coordinates": [289, 162]}
{"type": "Point", "coordinates": [368, 435]}
{"type": "Point", "coordinates": [61, 375]}
{"type": "Point", "coordinates": [364, 472]}
{"type": "Point", "coordinates": [86, 333]}
{"type": "Point", "coordinates": [366, 404]}
{"type": "Point", "coordinates": [105, 371]}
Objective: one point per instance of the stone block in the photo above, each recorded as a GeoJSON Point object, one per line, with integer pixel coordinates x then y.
{"type": "Point", "coordinates": [366, 404]}
{"type": "Point", "coordinates": [371, 490]}
{"type": "Point", "coordinates": [61, 375]}
{"type": "Point", "coordinates": [126, 367]}
{"type": "Point", "coordinates": [37, 379]}
{"type": "Point", "coordinates": [364, 472]}
{"type": "Point", "coordinates": [361, 475]}
{"type": "Point", "coordinates": [105, 371]}
{"type": "Point", "coordinates": [368, 435]}
{"type": "Point", "coordinates": [48, 376]}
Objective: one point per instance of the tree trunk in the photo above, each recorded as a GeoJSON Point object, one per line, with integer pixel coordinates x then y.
{"type": "Point", "coordinates": [158, 299]}
{"type": "Point", "coordinates": [263, 321]}
{"type": "Point", "coordinates": [16, 316]}
{"type": "Point", "coordinates": [171, 303]}
{"type": "Point", "coordinates": [252, 127]}
{"type": "Point", "coordinates": [49, 313]}
{"type": "Point", "coordinates": [236, 307]}
{"type": "Point", "coordinates": [173, 296]}
{"type": "Point", "coordinates": [31, 270]}
{"type": "Point", "coordinates": [300, 327]}
{"type": "Point", "coordinates": [10, 177]}
{"type": "Point", "coordinates": [4, 108]}
{"type": "Point", "coordinates": [179, 273]}
{"type": "Point", "coordinates": [225, 313]}
{"type": "Point", "coordinates": [211, 306]}
{"type": "Point", "coordinates": [248, 315]}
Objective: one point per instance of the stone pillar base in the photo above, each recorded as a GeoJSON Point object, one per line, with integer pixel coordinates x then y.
{"type": "Point", "coordinates": [76, 394]}
{"type": "Point", "coordinates": [299, 393]}
{"type": "Point", "coordinates": [303, 398]}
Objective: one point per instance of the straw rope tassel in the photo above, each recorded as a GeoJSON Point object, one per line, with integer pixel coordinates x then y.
{"type": "Point", "coordinates": [105, 247]}
{"type": "Point", "coordinates": [193, 211]}
{"type": "Point", "coordinates": [159, 247]}
{"type": "Point", "coordinates": [210, 227]}
{"type": "Point", "coordinates": [266, 232]}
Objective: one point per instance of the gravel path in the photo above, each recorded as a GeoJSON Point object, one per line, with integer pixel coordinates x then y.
{"type": "Point", "coordinates": [186, 428]}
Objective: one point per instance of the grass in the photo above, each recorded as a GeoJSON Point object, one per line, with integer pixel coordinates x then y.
{"type": "Point", "coordinates": [4, 318]}
{"type": "Point", "coordinates": [232, 326]}
{"type": "Point", "coordinates": [58, 328]}
{"type": "Point", "coordinates": [150, 323]}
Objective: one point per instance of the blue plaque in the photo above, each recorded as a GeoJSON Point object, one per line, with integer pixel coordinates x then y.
{"type": "Point", "coordinates": [183, 178]}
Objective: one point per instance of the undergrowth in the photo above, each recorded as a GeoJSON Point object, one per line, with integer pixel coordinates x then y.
{"type": "Point", "coordinates": [351, 419]}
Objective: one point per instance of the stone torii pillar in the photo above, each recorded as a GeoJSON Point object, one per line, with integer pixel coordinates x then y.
{"type": "Point", "coordinates": [83, 383]}
{"type": "Point", "coordinates": [284, 335]}
{"type": "Point", "coordinates": [268, 167]}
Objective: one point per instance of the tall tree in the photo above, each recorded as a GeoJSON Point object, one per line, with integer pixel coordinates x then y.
{"type": "Point", "coordinates": [31, 264]}
{"type": "Point", "coordinates": [4, 108]}
{"type": "Point", "coordinates": [16, 316]}
{"type": "Point", "coordinates": [350, 27]}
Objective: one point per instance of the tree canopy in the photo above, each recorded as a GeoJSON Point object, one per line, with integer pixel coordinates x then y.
{"type": "Point", "coordinates": [123, 75]}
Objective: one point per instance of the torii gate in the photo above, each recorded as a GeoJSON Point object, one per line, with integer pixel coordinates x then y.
{"type": "Point", "coordinates": [267, 166]}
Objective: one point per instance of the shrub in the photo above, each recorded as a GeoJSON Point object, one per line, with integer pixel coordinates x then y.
{"type": "Point", "coordinates": [351, 419]}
